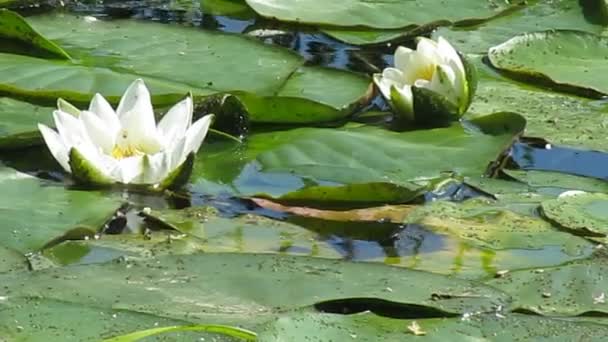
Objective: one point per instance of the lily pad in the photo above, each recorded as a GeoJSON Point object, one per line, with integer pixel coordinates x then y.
{"type": "Point", "coordinates": [384, 156]}
{"type": "Point", "coordinates": [537, 15]}
{"type": "Point", "coordinates": [483, 223]}
{"type": "Point", "coordinates": [375, 13]}
{"type": "Point", "coordinates": [278, 88]}
{"type": "Point", "coordinates": [399, 164]}
{"type": "Point", "coordinates": [585, 214]}
{"type": "Point", "coordinates": [14, 27]}
{"type": "Point", "coordinates": [243, 234]}
{"type": "Point", "coordinates": [36, 212]}
{"type": "Point", "coordinates": [570, 60]}
{"type": "Point", "coordinates": [557, 180]}
{"type": "Point", "coordinates": [561, 118]}
{"type": "Point", "coordinates": [58, 320]}
{"type": "Point", "coordinates": [572, 289]}
{"type": "Point", "coordinates": [311, 326]}
{"type": "Point", "coordinates": [18, 121]}
{"type": "Point", "coordinates": [245, 289]}
{"type": "Point", "coordinates": [11, 261]}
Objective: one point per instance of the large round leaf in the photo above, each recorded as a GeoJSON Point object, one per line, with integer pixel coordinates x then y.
{"type": "Point", "coordinates": [561, 118]}
{"type": "Point", "coordinates": [309, 326]}
{"type": "Point", "coordinates": [537, 15]}
{"type": "Point", "coordinates": [246, 288]}
{"type": "Point", "coordinates": [586, 214]}
{"type": "Point", "coordinates": [374, 13]}
{"type": "Point", "coordinates": [276, 88]}
{"type": "Point", "coordinates": [18, 121]}
{"type": "Point", "coordinates": [572, 289]}
{"type": "Point", "coordinates": [34, 212]}
{"type": "Point", "coordinates": [570, 59]}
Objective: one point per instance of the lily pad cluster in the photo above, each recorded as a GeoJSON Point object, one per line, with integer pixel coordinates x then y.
{"type": "Point", "coordinates": [375, 171]}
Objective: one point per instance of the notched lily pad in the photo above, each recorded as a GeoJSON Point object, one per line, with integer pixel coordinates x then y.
{"type": "Point", "coordinates": [563, 59]}
{"type": "Point", "coordinates": [585, 214]}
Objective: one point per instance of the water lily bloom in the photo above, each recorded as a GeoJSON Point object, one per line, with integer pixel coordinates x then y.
{"type": "Point", "coordinates": [103, 146]}
{"type": "Point", "coordinates": [429, 83]}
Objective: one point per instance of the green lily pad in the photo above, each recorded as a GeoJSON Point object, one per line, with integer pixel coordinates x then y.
{"type": "Point", "coordinates": [586, 214]}
{"type": "Point", "coordinates": [35, 211]}
{"type": "Point", "coordinates": [11, 261]}
{"type": "Point", "coordinates": [484, 223]}
{"type": "Point", "coordinates": [245, 289]}
{"type": "Point", "coordinates": [537, 15]}
{"type": "Point", "coordinates": [383, 156]}
{"type": "Point", "coordinates": [277, 163]}
{"type": "Point", "coordinates": [14, 27]}
{"type": "Point", "coordinates": [570, 60]}
{"type": "Point", "coordinates": [572, 289]}
{"type": "Point", "coordinates": [243, 234]}
{"type": "Point", "coordinates": [375, 13]}
{"type": "Point", "coordinates": [18, 121]}
{"type": "Point", "coordinates": [278, 88]}
{"type": "Point", "coordinates": [561, 118]}
{"type": "Point", "coordinates": [40, 320]}
{"type": "Point", "coordinates": [557, 180]}
{"type": "Point", "coordinates": [301, 325]}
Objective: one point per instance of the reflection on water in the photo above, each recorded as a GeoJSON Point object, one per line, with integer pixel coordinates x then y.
{"type": "Point", "coordinates": [561, 159]}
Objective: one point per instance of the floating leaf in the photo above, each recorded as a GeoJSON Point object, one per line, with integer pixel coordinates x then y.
{"type": "Point", "coordinates": [13, 26]}
{"type": "Point", "coordinates": [585, 214]}
{"type": "Point", "coordinates": [245, 288]}
{"type": "Point", "coordinates": [570, 60]}
{"type": "Point", "coordinates": [35, 211]}
{"type": "Point", "coordinates": [375, 13]}
{"type": "Point", "coordinates": [537, 15]}
{"type": "Point", "coordinates": [572, 289]}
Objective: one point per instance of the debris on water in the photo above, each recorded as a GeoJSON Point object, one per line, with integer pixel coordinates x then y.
{"type": "Point", "coordinates": [601, 299]}
{"type": "Point", "coordinates": [415, 329]}
{"type": "Point", "coordinates": [546, 294]}
{"type": "Point", "coordinates": [501, 273]}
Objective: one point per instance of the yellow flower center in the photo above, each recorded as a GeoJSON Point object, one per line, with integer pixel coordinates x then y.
{"type": "Point", "coordinates": [120, 152]}
{"type": "Point", "coordinates": [122, 148]}
{"type": "Point", "coordinates": [426, 72]}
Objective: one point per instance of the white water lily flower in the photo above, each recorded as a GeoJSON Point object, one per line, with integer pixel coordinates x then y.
{"type": "Point", "coordinates": [431, 80]}
{"type": "Point", "coordinates": [100, 145]}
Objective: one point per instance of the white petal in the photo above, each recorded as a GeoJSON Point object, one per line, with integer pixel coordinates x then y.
{"type": "Point", "coordinates": [177, 120]}
{"type": "Point", "coordinates": [137, 119]}
{"type": "Point", "coordinates": [443, 83]}
{"type": "Point", "coordinates": [98, 131]}
{"type": "Point", "coordinates": [402, 57]}
{"type": "Point", "coordinates": [136, 96]}
{"type": "Point", "coordinates": [156, 167]}
{"type": "Point", "coordinates": [429, 49]}
{"type": "Point", "coordinates": [449, 54]}
{"type": "Point", "coordinates": [196, 134]}
{"type": "Point", "coordinates": [55, 146]}
{"type": "Point", "coordinates": [70, 129]}
{"type": "Point", "coordinates": [177, 155]}
{"type": "Point", "coordinates": [389, 77]}
{"type": "Point", "coordinates": [100, 106]}
{"type": "Point", "coordinates": [130, 170]}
